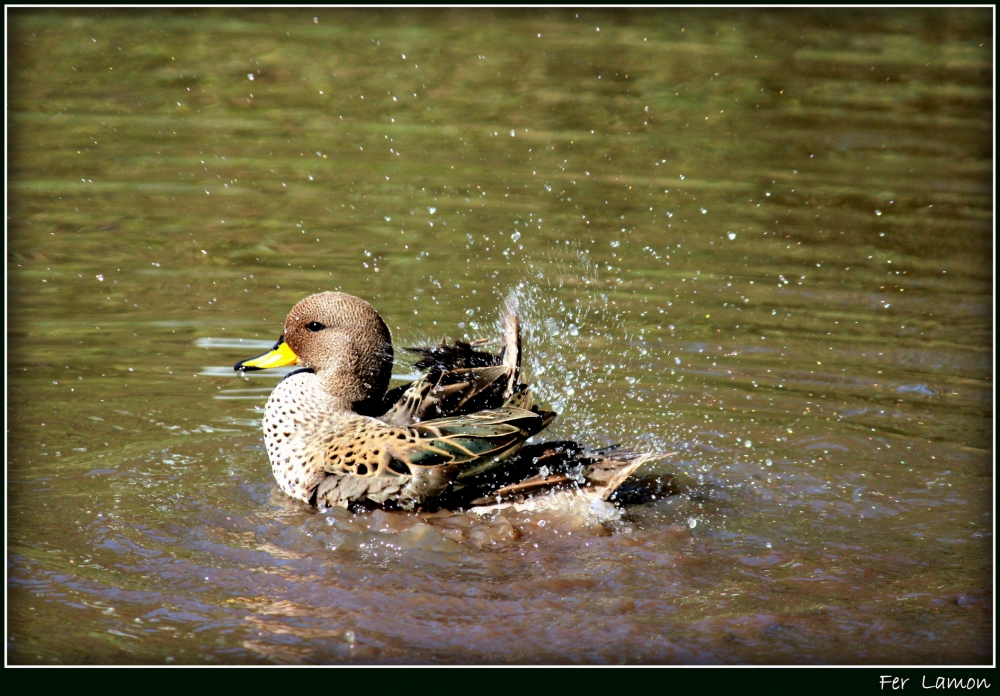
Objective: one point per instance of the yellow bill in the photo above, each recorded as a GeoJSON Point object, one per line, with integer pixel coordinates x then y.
{"type": "Point", "coordinates": [279, 356]}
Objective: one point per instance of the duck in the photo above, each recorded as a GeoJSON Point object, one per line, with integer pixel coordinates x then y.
{"type": "Point", "coordinates": [460, 436]}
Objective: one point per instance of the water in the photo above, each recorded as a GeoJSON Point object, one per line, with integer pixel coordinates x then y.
{"type": "Point", "coordinates": [758, 238]}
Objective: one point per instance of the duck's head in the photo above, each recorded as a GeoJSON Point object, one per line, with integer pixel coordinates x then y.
{"type": "Point", "coordinates": [343, 340]}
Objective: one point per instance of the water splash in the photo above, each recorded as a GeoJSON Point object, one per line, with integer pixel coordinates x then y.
{"type": "Point", "coordinates": [579, 353]}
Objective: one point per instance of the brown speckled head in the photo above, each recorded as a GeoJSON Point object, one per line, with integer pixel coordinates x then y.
{"type": "Point", "coordinates": [346, 343]}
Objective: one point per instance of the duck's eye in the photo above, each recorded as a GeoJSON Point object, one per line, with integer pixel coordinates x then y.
{"type": "Point", "coordinates": [315, 326]}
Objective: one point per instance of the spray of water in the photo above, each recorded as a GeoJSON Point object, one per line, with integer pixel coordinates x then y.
{"type": "Point", "coordinates": [579, 352]}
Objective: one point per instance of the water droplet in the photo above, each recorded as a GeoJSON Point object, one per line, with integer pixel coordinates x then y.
{"type": "Point", "coordinates": [516, 236]}
{"type": "Point", "coordinates": [731, 235]}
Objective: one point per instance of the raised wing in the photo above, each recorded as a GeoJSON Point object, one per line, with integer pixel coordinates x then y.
{"type": "Point", "coordinates": [450, 393]}
{"type": "Point", "coordinates": [461, 380]}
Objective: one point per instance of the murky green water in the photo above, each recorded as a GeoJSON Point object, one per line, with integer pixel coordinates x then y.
{"type": "Point", "coordinates": [760, 238]}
